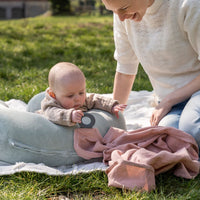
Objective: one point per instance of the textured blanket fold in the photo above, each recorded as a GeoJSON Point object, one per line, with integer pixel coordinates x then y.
{"type": "Point", "coordinates": [135, 157]}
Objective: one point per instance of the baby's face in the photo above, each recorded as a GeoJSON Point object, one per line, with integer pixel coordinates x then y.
{"type": "Point", "coordinates": [128, 9]}
{"type": "Point", "coordinates": [72, 94]}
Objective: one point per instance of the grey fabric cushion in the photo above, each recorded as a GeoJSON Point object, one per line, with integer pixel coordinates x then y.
{"type": "Point", "coordinates": [29, 137]}
{"type": "Point", "coordinates": [35, 102]}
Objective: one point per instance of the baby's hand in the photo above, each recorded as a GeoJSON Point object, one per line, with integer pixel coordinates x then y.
{"type": "Point", "coordinates": [117, 108]}
{"type": "Point", "coordinates": [77, 115]}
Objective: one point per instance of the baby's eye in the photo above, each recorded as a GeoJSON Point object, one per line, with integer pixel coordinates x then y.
{"type": "Point", "coordinates": [81, 93]}
{"type": "Point", "coordinates": [70, 96]}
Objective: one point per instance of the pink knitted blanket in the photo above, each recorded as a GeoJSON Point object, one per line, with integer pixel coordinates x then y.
{"type": "Point", "coordinates": [135, 157]}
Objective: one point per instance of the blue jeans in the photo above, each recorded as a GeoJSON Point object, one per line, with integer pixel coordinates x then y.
{"type": "Point", "coordinates": [185, 116]}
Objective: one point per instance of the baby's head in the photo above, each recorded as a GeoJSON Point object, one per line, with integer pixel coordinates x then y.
{"type": "Point", "coordinates": [67, 85]}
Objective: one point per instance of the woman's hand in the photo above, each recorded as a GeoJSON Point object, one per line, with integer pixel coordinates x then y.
{"type": "Point", "coordinates": [173, 98]}
{"type": "Point", "coordinates": [160, 111]}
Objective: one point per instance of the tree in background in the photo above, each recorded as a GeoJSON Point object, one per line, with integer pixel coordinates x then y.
{"type": "Point", "coordinates": [77, 7]}
{"type": "Point", "coordinates": [60, 7]}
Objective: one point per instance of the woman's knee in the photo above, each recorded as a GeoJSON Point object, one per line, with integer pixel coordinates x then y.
{"type": "Point", "coordinates": [191, 126]}
{"type": "Point", "coordinates": [170, 121]}
{"type": "Point", "coordinates": [190, 118]}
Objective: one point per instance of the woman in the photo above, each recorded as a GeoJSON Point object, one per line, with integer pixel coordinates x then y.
{"type": "Point", "coordinates": [164, 36]}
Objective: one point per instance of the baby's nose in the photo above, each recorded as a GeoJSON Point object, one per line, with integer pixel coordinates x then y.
{"type": "Point", "coordinates": [76, 98]}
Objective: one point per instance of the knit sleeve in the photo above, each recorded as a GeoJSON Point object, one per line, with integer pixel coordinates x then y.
{"type": "Point", "coordinates": [127, 62]}
{"type": "Point", "coordinates": [100, 102]}
{"type": "Point", "coordinates": [54, 112]}
{"type": "Point", "coordinates": [191, 23]}
{"type": "Point", "coordinates": [59, 116]}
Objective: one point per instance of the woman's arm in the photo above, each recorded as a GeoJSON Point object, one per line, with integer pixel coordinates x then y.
{"type": "Point", "coordinates": [173, 98]}
{"type": "Point", "coordinates": [122, 87]}
{"type": "Point", "coordinates": [189, 22]}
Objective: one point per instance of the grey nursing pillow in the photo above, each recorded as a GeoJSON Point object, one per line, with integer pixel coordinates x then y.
{"type": "Point", "coordinates": [29, 137]}
{"type": "Point", "coordinates": [103, 120]}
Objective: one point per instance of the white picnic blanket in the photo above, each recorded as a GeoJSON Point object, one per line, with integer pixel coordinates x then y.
{"type": "Point", "coordinates": [137, 115]}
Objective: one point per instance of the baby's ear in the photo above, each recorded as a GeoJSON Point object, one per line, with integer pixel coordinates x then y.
{"type": "Point", "coordinates": [51, 93]}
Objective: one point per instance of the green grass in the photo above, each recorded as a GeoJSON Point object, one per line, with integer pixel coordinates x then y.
{"type": "Point", "coordinates": [28, 49]}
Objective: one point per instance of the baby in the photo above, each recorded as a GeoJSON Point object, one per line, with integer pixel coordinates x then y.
{"type": "Point", "coordinates": [66, 99]}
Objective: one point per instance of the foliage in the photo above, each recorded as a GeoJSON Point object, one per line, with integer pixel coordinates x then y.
{"type": "Point", "coordinates": [29, 185]}
{"type": "Point", "coordinates": [60, 7]}
{"type": "Point", "coordinates": [29, 47]}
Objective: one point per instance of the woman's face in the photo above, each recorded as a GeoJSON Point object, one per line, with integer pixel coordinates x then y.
{"type": "Point", "coordinates": [128, 9]}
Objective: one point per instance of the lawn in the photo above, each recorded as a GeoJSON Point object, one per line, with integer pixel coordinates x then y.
{"type": "Point", "coordinates": [28, 49]}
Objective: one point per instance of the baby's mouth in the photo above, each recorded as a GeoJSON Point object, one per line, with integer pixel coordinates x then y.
{"type": "Point", "coordinates": [77, 106]}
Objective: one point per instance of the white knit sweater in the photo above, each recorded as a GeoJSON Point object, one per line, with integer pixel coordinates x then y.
{"type": "Point", "coordinates": [166, 42]}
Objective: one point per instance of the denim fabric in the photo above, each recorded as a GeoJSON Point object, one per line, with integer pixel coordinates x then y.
{"type": "Point", "coordinates": [185, 116]}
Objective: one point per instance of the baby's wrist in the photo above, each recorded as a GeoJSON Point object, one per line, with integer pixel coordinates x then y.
{"type": "Point", "coordinates": [113, 109]}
